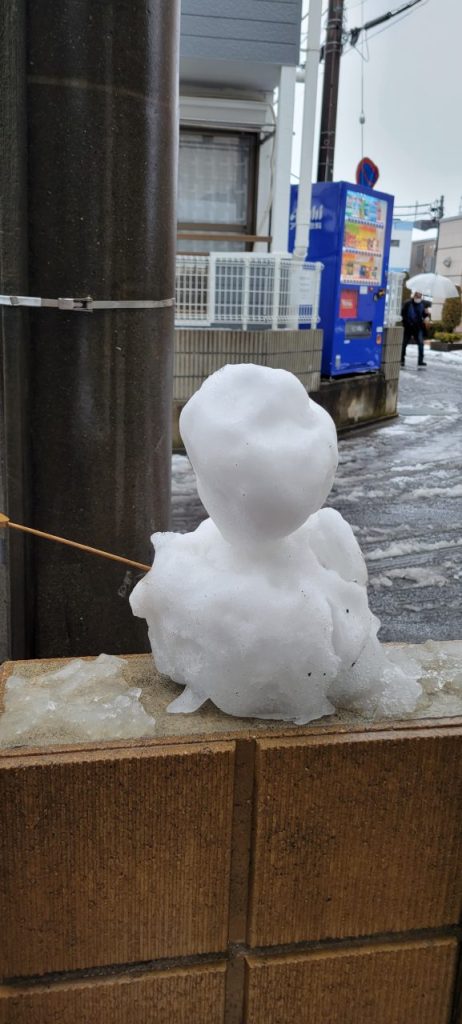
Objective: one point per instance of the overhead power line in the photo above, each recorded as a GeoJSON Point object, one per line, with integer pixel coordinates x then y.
{"type": "Point", "coordinates": [422, 215]}
{"type": "Point", "coordinates": [353, 34]}
{"type": "Point", "coordinates": [331, 52]}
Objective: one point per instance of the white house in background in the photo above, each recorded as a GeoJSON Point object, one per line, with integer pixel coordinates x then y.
{"type": "Point", "coordinates": [401, 245]}
{"type": "Point", "coordinates": [449, 249]}
{"type": "Point", "coordinates": [423, 256]}
{"type": "Point", "coordinates": [235, 155]}
{"type": "Point", "coordinates": [448, 259]}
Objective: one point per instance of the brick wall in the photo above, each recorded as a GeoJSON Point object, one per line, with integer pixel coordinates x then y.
{"type": "Point", "coordinates": [265, 876]}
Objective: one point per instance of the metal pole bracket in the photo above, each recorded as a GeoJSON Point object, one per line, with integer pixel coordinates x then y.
{"type": "Point", "coordinates": [86, 305]}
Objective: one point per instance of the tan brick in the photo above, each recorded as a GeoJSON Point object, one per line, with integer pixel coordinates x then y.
{"type": "Point", "coordinates": [192, 996]}
{"type": "Point", "coordinates": [114, 857]}
{"type": "Point", "coordinates": [397, 984]}
{"type": "Point", "coordinates": [356, 835]}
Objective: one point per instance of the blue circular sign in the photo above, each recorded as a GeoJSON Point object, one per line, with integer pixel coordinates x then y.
{"type": "Point", "coordinates": [367, 172]}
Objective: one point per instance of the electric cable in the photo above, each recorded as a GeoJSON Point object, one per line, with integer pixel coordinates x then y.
{"type": "Point", "coordinates": [362, 116]}
{"type": "Point", "coordinates": [390, 24]}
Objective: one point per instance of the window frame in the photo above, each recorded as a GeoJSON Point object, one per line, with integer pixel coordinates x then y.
{"type": "Point", "coordinates": [220, 228]}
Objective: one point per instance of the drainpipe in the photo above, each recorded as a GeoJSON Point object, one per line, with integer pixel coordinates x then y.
{"type": "Point", "coordinates": [302, 230]}
{"type": "Point", "coordinates": [283, 158]}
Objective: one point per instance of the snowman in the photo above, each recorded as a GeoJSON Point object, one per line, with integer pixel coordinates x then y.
{"type": "Point", "coordinates": [263, 609]}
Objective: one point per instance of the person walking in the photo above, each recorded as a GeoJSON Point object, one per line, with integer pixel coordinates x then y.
{"type": "Point", "coordinates": [414, 314]}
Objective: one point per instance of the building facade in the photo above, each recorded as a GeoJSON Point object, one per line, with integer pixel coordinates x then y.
{"type": "Point", "coordinates": [449, 255]}
{"type": "Point", "coordinates": [400, 246]}
{"type": "Point", "coordinates": [423, 256]}
{"type": "Point", "coordinates": [234, 162]}
{"type": "Point", "coordinates": [449, 251]}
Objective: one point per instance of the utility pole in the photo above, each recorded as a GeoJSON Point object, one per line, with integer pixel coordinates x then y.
{"type": "Point", "coordinates": [332, 55]}
{"type": "Point", "coordinates": [438, 209]}
{"type": "Point", "coordinates": [88, 132]}
{"type": "Point", "coordinates": [16, 596]}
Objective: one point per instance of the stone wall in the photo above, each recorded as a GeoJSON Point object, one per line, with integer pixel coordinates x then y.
{"type": "Point", "coordinates": [355, 400]}
{"type": "Point", "coordinates": [198, 353]}
{"type": "Point", "coordinates": [365, 398]}
{"type": "Point", "coordinates": [391, 356]}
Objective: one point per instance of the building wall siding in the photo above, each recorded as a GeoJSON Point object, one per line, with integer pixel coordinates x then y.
{"type": "Point", "coordinates": [258, 30]}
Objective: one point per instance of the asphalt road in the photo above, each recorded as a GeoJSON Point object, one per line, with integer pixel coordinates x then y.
{"type": "Point", "coordinates": [400, 487]}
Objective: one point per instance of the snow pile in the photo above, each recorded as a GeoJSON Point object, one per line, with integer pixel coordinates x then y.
{"type": "Point", "coordinates": [419, 576]}
{"type": "Point", "coordinates": [85, 700]}
{"type": "Point", "coordinates": [264, 607]}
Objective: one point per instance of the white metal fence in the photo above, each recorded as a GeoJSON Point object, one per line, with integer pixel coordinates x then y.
{"type": "Point", "coordinates": [393, 298]}
{"type": "Point", "coordinates": [247, 290]}
{"type": "Point", "coordinates": [258, 290]}
{"type": "Point", "coordinates": [191, 291]}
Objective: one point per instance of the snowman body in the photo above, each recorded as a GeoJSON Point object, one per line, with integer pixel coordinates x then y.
{"type": "Point", "coordinates": [263, 609]}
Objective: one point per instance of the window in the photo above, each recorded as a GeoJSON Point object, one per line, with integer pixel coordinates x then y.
{"type": "Point", "coordinates": [216, 178]}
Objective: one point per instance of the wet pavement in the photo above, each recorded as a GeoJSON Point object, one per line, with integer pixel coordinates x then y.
{"type": "Point", "coordinates": [400, 488]}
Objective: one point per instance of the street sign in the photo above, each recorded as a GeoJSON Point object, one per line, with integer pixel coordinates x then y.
{"type": "Point", "coordinates": [367, 172]}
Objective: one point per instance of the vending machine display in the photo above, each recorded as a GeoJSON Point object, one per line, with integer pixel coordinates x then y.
{"type": "Point", "coordinates": [350, 234]}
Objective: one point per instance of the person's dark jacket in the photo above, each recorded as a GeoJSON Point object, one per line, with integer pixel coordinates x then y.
{"type": "Point", "coordinates": [413, 315]}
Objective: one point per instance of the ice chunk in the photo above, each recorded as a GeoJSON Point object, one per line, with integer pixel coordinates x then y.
{"type": "Point", "coordinates": [442, 667]}
{"type": "Point", "coordinates": [84, 700]}
{"type": "Point", "coordinates": [264, 454]}
{"type": "Point", "coordinates": [379, 684]}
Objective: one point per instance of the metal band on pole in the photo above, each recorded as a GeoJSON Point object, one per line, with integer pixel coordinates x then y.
{"type": "Point", "coordinates": [87, 305]}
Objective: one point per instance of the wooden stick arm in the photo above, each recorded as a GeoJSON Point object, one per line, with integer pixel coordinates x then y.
{"type": "Point", "coordinates": [5, 521]}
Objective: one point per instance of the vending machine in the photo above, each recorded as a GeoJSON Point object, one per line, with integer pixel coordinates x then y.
{"type": "Point", "coordinates": [350, 234]}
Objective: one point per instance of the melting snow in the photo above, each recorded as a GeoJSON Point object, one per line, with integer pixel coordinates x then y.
{"type": "Point", "coordinates": [85, 700]}
{"type": "Point", "coordinates": [421, 576]}
{"type": "Point", "coordinates": [407, 547]}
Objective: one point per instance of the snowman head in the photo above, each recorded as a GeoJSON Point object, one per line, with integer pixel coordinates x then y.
{"type": "Point", "coordinates": [264, 454]}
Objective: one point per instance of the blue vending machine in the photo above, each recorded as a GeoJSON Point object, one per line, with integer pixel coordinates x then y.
{"type": "Point", "coordinates": [350, 234]}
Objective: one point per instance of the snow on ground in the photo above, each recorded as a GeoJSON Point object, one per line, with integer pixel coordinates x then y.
{"type": "Point", "coordinates": [400, 487]}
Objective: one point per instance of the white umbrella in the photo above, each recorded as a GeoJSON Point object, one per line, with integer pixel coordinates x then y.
{"type": "Point", "coordinates": [435, 286]}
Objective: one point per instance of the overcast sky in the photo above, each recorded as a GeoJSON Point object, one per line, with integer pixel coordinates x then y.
{"type": "Point", "coordinates": [412, 102]}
